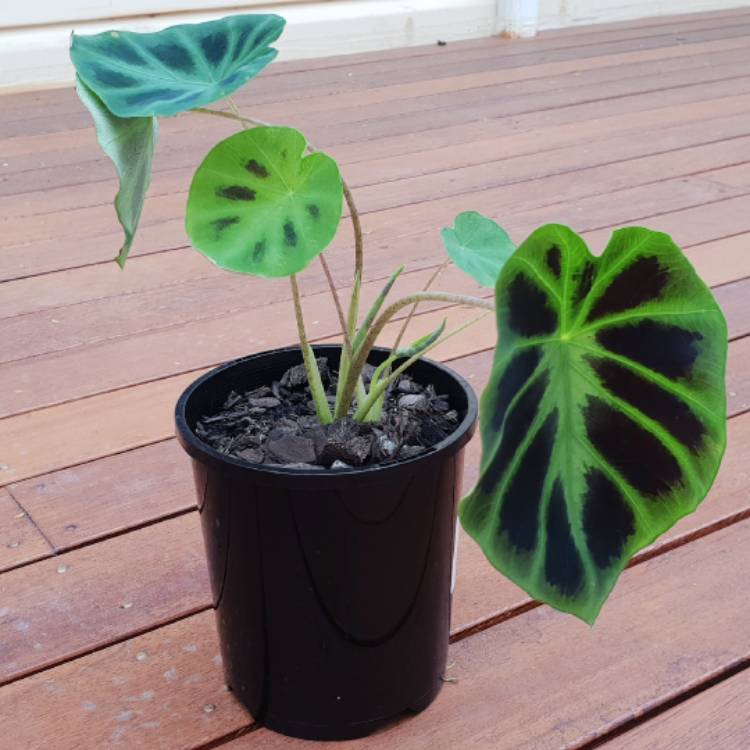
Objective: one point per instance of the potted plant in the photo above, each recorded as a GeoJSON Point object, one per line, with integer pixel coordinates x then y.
{"type": "Point", "coordinates": [328, 476]}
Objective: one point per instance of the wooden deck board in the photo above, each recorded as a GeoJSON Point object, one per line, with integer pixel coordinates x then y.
{"type": "Point", "coordinates": [101, 563]}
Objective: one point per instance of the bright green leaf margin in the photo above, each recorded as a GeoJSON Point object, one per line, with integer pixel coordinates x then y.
{"type": "Point", "coordinates": [604, 419]}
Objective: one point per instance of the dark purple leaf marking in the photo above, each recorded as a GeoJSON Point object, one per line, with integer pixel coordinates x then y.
{"type": "Point", "coordinates": [638, 455]}
{"type": "Point", "coordinates": [665, 348]}
{"type": "Point", "coordinates": [608, 520]}
{"type": "Point", "coordinates": [563, 568]}
{"type": "Point", "coordinates": [663, 407]}
{"type": "Point", "coordinates": [256, 168]}
{"type": "Point", "coordinates": [290, 234]}
{"type": "Point", "coordinates": [236, 193]}
{"type": "Point", "coordinates": [642, 281]}
{"type": "Point", "coordinates": [519, 513]}
{"type": "Point", "coordinates": [529, 313]}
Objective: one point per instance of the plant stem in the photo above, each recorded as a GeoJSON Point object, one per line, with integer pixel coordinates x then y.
{"type": "Point", "coordinates": [378, 391]}
{"type": "Point", "coordinates": [414, 307]}
{"type": "Point", "coordinates": [235, 115]}
{"type": "Point", "coordinates": [360, 356]}
{"type": "Point", "coordinates": [308, 357]}
{"type": "Point", "coordinates": [337, 304]}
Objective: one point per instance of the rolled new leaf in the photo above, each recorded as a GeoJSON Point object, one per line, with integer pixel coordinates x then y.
{"type": "Point", "coordinates": [129, 142]}
{"type": "Point", "coordinates": [478, 246]}
{"type": "Point", "coordinates": [257, 205]}
{"type": "Point", "coordinates": [603, 421]}
{"type": "Point", "coordinates": [178, 68]}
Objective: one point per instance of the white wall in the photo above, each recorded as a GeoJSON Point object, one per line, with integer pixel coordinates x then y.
{"type": "Point", "coordinates": [554, 14]}
{"type": "Point", "coordinates": [35, 34]}
{"type": "Point", "coordinates": [33, 54]}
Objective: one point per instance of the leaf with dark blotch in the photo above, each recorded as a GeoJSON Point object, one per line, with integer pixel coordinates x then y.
{"type": "Point", "coordinates": [258, 220]}
{"type": "Point", "coordinates": [129, 143]}
{"type": "Point", "coordinates": [603, 421]}
{"type": "Point", "coordinates": [178, 68]}
{"type": "Point", "coordinates": [478, 246]}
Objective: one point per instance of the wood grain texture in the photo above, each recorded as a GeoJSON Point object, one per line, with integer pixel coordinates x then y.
{"type": "Point", "coordinates": [38, 442]}
{"type": "Point", "coordinates": [164, 690]}
{"type": "Point", "coordinates": [715, 718]}
{"type": "Point", "coordinates": [86, 502]}
{"type": "Point", "coordinates": [64, 606]}
{"type": "Point", "coordinates": [160, 570]}
{"type": "Point", "coordinates": [649, 618]}
{"type": "Point", "coordinates": [543, 680]}
{"type": "Point", "coordinates": [110, 495]}
{"type": "Point", "coordinates": [637, 123]}
{"type": "Point", "coordinates": [20, 541]}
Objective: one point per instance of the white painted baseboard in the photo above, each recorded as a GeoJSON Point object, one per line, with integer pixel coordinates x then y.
{"type": "Point", "coordinates": [38, 55]}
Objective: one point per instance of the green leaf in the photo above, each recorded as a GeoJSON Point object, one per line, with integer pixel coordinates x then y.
{"type": "Point", "coordinates": [371, 314]}
{"type": "Point", "coordinates": [603, 421]}
{"type": "Point", "coordinates": [257, 206]}
{"type": "Point", "coordinates": [421, 344]}
{"type": "Point", "coordinates": [129, 143]}
{"type": "Point", "coordinates": [178, 68]}
{"type": "Point", "coordinates": [478, 246]}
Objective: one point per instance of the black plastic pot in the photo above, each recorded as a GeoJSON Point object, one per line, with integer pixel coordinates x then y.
{"type": "Point", "coordinates": [332, 589]}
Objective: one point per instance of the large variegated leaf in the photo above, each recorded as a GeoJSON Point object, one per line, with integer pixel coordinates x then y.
{"type": "Point", "coordinates": [603, 422]}
{"type": "Point", "coordinates": [478, 246]}
{"type": "Point", "coordinates": [257, 205]}
{"type": "Point", "coordinates": [178, 68]}
{"type": "Point", "coordinates": [129, 143]}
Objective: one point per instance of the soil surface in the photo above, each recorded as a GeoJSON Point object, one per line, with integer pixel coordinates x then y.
{"type": "Point", "coordinates": [277, 425]}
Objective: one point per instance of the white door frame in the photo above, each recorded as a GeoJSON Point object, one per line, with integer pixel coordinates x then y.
{"type": "Point", "coordinates": [517, 17]}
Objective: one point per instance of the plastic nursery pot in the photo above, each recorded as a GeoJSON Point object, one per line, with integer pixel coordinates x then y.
{"type": "Point", "coordinates": [332, 589]}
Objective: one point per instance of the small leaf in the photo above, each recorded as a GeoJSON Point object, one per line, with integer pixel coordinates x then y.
{"type": "Point", "coordinates": [178, 68]}
{"type": "Point", "coordinates": [372, 313]}
{"type": "Point", "coordinates": [129, 143]}
{"type": "Point", "coordinates": [257, 206]}
{"type": "Point", "coordinates": [421, 344]}
{"type": "Point", "coordinates": [478, 246]}
{"type": "Point", "coordinates": [604, 419]}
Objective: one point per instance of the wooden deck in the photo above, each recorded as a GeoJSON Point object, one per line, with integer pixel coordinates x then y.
{"type": "Point", "coordinates": [106, 635]}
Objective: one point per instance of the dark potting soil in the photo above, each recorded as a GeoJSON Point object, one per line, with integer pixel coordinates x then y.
{"type": "Point", "coordinates": [277, 425]}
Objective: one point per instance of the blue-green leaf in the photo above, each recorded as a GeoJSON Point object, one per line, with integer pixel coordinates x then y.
{"type": "Point", "coordinates": [478, 246]}
{"type": "Point", "coordinates": [129, 143]}
{"type": "Point", "coordinates": [178, 68]}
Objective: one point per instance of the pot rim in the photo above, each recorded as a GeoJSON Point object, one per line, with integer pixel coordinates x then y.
{"type": "Point", "coordinates": [199, 450]}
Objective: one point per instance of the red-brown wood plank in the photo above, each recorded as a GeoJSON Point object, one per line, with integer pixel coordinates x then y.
{"type": "Point", "coordinates": [663, 154]}
{"type": "Point", "coordinates": [445, 62]}
{"type": "Point", "coordinates": [160, 570]}
{"type": "Point", "coordinates": [539, 680]}
{"type": "Point", "coordinates": [40, 441]}
{"type": "Point", "coordinates": [543, 680]}
{"type": "Point", "coordinates": [161, 690]}
{"type": "Point", "coordinates": [113, 494]}
{"type": "Point", "coordinates": [182, 141]}
{"type": "Point", "coordinates": [20, 541]}
{"type": "Point", "coordinates": [85, 367]}
{"type": "Point", "coordinates": [163, 270]}
{"type": "Point", "coordinates": [63, 606]}
{"type": "Point", "coordinates": [718, 717]}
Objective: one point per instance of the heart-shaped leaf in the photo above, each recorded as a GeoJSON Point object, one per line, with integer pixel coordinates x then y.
{"type": "Point", "coordinates": [603, 422]}
{"type": "Point", "coordinates": [258, 205]}
{"type": "Point", "coordinates": [178, 68]}
{"type": "Point", "coordinates": [478, 246]}
{"type": "Point", "coordinates": [129, 143]}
